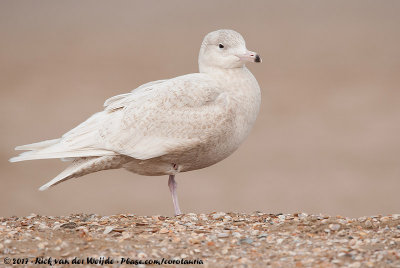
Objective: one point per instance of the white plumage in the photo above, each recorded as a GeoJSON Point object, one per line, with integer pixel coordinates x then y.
{"type": "Point", "coordinates": [167, 126]}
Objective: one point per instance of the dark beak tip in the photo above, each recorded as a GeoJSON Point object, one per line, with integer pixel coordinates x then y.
{"type": "Point", "coordinates": [257, 59]}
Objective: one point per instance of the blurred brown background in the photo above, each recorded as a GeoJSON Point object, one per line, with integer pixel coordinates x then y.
{"type": "Point", "coordinates": [327, 138]}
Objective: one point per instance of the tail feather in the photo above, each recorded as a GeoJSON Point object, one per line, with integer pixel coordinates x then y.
{"type": "Point", "coordinates": [81, 141]}
{"type": "Point", "coordinates": [37, 145]}
{"type": "Point", "coordinates": [34, 155]}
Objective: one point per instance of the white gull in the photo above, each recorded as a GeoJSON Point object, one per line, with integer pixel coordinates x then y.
{"type": "Point", "coordinates": [167, 126]}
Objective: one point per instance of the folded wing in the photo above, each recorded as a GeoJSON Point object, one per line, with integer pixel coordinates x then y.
{"type": "Point", "coordinates": [163, 117]}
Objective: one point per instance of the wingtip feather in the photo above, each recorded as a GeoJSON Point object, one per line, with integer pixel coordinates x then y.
{"type": "Point", "coordinates": [36, 145]}
{"type": "Point", "coordinates": [14, 159]}
{"type": "Point", "coordinates": [43, 187]}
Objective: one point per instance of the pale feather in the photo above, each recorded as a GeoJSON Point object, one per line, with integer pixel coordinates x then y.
{"type": "Point", "coordinates": [83, 166]}
{"type": "Point", "coordinates": [37, 145]}
{"type": "Point", "coordinates": [149, 123]}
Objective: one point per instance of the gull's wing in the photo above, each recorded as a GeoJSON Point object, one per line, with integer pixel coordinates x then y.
{"type": "Point", "coordinates": [157, 119]}
{"type": "Point", "coordinates": [170, 116]}
{"type": "Point", "coordinates": [112, 102]}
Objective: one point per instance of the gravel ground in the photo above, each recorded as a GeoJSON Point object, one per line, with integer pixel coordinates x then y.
{"type": "Point", "coordinates": [217, 240]}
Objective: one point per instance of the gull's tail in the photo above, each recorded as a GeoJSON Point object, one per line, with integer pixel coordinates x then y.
{"type": "Point", "coordinates": [37, 145]}
{"type": "Point", "coordinates": [57, 152]}
{"type": "Point", "coordinates": [55, 149]}
{"type": "Point", "coordinates": [81, 141]}
{"type": "Point", "coordinates": [81, 145]}
{"type": "Point", "coordinates": [58, 148]}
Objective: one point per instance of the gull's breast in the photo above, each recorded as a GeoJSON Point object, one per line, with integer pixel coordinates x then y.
{"type": "Point", "coordinates": [240, 103]}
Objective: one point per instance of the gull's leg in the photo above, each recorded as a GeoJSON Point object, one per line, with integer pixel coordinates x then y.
{"type": "Point", "coordinates": [172, 188]}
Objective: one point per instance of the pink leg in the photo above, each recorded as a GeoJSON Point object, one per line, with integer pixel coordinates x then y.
{"type": "Point", "coordinates": [172, 188]}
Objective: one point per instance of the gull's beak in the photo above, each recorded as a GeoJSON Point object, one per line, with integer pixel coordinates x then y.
{"type": "Point", "coordinates": [249, 56]}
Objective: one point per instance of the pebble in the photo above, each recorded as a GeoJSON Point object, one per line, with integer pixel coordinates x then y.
{"type": "Point", "coordinates": [142, 255]}
{"type": "Point", "coordinates": [227, 218]}
{"type": "Point", "coordinates": [334, 227]}
{"type": "Point", "coordinates": [42, 245]}
{"type": "Point", "coordinates": [42, 226]}
{"type": "Point", "coordinates": [368, 224]}
{"type": "Point", "coordinates": [32, 215]}
{"type": "Point", "coordinates": [355, 265]}
{"type": "Point", "coordinates": [302, 215]}
{"type": "Point", "coordinates": [218, 215]}
{"type": "Point", "coordinates": [203, 217]}
{"type": "Point", "coordinates": [262, 235]}
{"type": "Point", "coordinates": [69, 225]}
{"type": "Point", "coordinates": [281, 217]}
{"type": "Point", "coordinates": [164, 230]}
{"type": "Point", "coordinates": [254, 232]}
{"type": "Point", "coordinates": [236, 234]}
{"type": "Point", "coordinates": [246, 241]}
{"type": "Point", "coordinates": [243, 260]}
{"type": "Point", "coordinates": [108, 229]}
{"type": "Point", "coordinates": [384, 219]}
{"type": "Point", "coordinates": [279, 241]}
{"type": "Point", "coordinates": [126, 235]}
{"type": "Point", "coordinates": [362, 219]}
{"type": "Point", "coordinates": [233, 257]}
{"type": "Point", "coordinates": [222, 235]}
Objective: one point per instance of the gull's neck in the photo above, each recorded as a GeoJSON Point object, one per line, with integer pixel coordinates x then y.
{"type": "Point", "coordinates": [221, 72]}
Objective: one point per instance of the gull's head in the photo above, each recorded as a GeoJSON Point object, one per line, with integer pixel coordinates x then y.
{"type": "Point", "coordinates": [225, 49]}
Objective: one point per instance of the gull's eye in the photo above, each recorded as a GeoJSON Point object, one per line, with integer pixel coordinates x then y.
{"type": "Point", "coordinates": [221, 45]}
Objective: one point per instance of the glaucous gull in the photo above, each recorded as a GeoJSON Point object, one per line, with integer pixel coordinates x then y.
{"type": "Point", "coordinates": [167, 126]}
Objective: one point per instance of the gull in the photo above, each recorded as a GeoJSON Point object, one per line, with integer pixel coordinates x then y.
{"type": "Point", "coordinates": [167, 126]}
